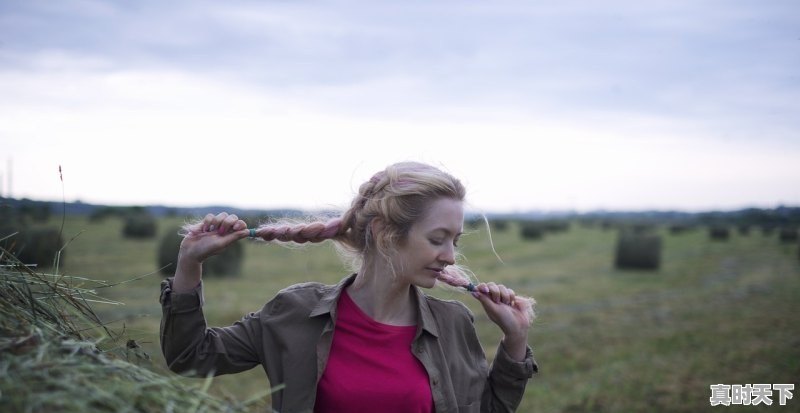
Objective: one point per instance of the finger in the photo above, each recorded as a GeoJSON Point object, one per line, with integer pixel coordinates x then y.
{"type": "Point", "coordinates": [494, 292]}
{"type": "Point", "coordinates": [215, 221]}
{"type": "Point", "coordinates": [227, 224]}
{"type": "Point", "coordinates": [486, 289]}
{"type": "Point", "coordinates": [505, 296]}
{"type": "Point", "coordinates": [207, 221]}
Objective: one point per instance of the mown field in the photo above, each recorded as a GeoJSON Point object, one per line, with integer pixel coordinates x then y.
{"type": "Point", "coordinates": [606, 340]}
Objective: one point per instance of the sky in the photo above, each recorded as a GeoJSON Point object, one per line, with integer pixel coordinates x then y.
{"type": "Point", "coordinates": [689, 105]}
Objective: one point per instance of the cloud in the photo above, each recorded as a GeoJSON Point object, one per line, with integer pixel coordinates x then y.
{"type": "Point", "coordinates": [644, 96]}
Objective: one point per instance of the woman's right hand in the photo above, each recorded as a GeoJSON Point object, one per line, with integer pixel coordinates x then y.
{"type": "Point", "coordinates": [212, 235]}
{"type": "Point", "coordinates": [206, 238]}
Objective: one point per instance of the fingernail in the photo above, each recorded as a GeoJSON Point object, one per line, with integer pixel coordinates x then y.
{"type": "Point", "coordinates": [211, 228]}
{"type": "Point", "coordinates": [476, 294]}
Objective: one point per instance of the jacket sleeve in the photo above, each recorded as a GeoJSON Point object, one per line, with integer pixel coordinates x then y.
{"type": "Point", "coordinates": [506, 382]}
{"type": "Point", "coordinates": [191, 348]}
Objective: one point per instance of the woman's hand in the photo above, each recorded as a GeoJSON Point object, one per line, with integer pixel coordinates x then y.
{"type": "Point", "coordinates": [512, 315]}
{"type": "Point", "coordinates": [206, 238]}
{"type": "Point", "coordinates": [211, 236]}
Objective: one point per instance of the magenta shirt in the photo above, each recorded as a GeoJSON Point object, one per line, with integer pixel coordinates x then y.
{"type": "Point", "coordinates": [371, 367]}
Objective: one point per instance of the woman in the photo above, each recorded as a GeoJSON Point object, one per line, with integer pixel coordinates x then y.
{"type": "Point", "coordinates": [373, 342]}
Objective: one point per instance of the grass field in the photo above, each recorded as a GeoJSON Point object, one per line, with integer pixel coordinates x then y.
{"type": "Point", "coordinates": [606, 340]}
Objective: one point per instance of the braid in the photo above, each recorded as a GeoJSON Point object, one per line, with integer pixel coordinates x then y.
{"type": "Point", "coordinates": [301, 233]}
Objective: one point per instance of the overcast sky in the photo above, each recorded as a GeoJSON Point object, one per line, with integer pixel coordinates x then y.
{"type": "Point", "coordinates": [686, 105]}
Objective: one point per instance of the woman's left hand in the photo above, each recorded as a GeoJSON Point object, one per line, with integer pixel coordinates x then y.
{"type": "Point", "coordinates": [509, 313]}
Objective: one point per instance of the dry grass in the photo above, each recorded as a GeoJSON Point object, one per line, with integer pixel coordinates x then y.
{"type": "Point", "coordinates": [56, 354]}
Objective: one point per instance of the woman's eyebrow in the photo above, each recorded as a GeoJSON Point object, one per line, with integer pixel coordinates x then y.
{"type": "Point", "coordinates": [447, 231]}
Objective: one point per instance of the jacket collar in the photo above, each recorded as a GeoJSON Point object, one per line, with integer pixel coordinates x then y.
{"type": "Point", "coordinates": [330, 298]}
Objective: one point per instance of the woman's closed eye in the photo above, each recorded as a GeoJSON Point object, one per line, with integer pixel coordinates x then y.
{"type": "Point", "coordinates": [437, 242]}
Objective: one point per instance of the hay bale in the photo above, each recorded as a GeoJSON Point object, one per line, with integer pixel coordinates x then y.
{"type": "Point", "coordinates": [555, 226]}
{"type": "Point", "coordinates": [140, 226]}
{"type": "Point", "coordinates": [499, 224]}
{"type": "Point", "coordinates": [226, 264]}
{"type": "Point", "coordinates": [787, 235]}
{"type": "Point", "coordinates": [33, 246]}
{"type": "Point", "coordinates": [531, 231]}
{"type": "Point", "coordinates": [167, 253]}
{"type": "Point", "coordinates": [678, 229]}
{"type": "Point", "coordinates": [638, 251]}
{"type": "Point", "coordinates": [719, 233]}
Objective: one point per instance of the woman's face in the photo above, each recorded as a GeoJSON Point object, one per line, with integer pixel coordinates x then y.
{"type": "Point", "coordinates": [431, 243]}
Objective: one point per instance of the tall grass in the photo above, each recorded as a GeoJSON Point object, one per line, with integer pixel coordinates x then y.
{"type": "Point", "coordinates": [57, 355]}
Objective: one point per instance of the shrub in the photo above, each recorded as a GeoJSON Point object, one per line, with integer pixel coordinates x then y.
{"type": "Point", "coordinates": [139, 225]}
{"type": "Point", "coordinates": [638, 251]}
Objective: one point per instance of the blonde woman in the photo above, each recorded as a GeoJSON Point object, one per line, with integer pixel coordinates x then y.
{"type": "Point", "coordinates": [374, 341]}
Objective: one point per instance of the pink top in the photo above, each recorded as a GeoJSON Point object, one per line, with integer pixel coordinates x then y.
{"type": "Point", "coordinates": [371, 367]}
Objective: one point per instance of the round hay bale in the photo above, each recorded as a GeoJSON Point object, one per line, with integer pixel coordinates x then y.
{"type": "Point", "coordinates": [719, 233]}
{"type": "Point", "coordinates": [167, 254]}
{"type": "Point", "coordinates": [141, 226]}
{"type": "Point", "coordinates": [531, 231]}
{"type": "Point", "coordinates": [36, 246]}
{"type": "Point", "coordinates": [677, 229]}
{"type": "Point", "coordinates": [226, 264]}
{"type": "Point", "coordinates": [499, 224]}
{"type": "Point", "coordinates": [638, 251]}
{"type": "Point", "coordinates": [788, 235]}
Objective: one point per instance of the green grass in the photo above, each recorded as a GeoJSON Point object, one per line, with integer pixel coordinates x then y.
{"type": "Point", "coordinates": [606, 340]}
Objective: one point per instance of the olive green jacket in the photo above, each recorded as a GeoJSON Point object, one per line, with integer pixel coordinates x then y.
{"type": "Point", "coordinates": [290, 337]}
